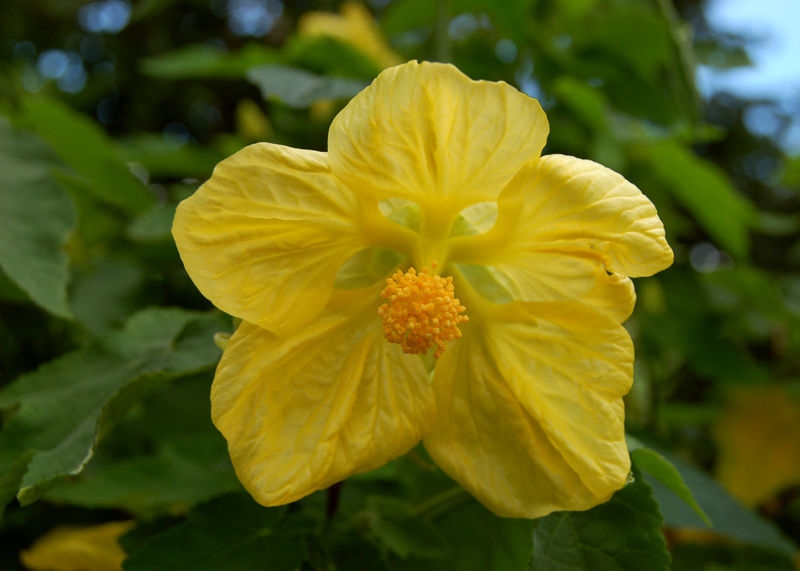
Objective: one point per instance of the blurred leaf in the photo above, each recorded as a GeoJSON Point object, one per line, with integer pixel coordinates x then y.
{"type": "Point", "coordinates": [615, 536]}
{"type": "Point", "coordinates": [298, 88]}
{"type": "Point", "coordinates": [510, 18]}
{"type": "Point", "coordinates": [706, 192]}
{"type": "Point", "coordinates": [154, 225]}
{"type": "Point", "coordinates": [650, 461]}
{"type": "Point", "coordinates": [730, 517]}
{"type": "Point", "coordinates": [204, 61]}
{"type": "Point", "coordinates": [101, 297]}
{"type": "Point", "coordinates": [708, 552]}
{"type": "Point", "coordinates": [330, 56]}
{"type": "Point", "coordinates": [395, 524]}
{"type": "Point", "coordinates": [164, 159]}
{"type": "Point", "coordinates": [60, 410]}
{"type": "Point", "coordinates": [81, 144]}
{"type": "Point", "coordinates": [697, 333]}
{"type": "Point", "coordinates": [36, 219]}
{"type": "Point", "coordinates": [630, 35]}
{"type": "Point", "coordinates": [585, 101]}
{"type": "Point", "coordinates": [791, 172]}
{"type": "Point", "coordinates": [230, 533]}
{"type": "Point", "coordinates": [722, 53]}
{"type": "Point", "coordinates": [149, 8]}
{"type": "Point", "coordinates": [757, 435]}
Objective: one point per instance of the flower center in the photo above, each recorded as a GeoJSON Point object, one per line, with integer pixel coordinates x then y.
{"type": "Point", "coordinates": [421, 311]}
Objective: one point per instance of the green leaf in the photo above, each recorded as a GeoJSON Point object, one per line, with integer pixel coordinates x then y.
{"type": "Point", "coordinates": [330, 56]}
{"type": "Point", "coordinates": [298, 88]}
{"type": "Point", "coordinates": [81, 144]}
{"type": "Point", "coordinates": [616, 536]}
{"type": "Point", "coordinates": [60, 411]}
{"type": "Point", "coordinates": [101, 295]}
{"type": "Point", "coordinates": [730, 518]}
{"type": "Point", "coordinates": [395, 524]}
{"type": "Point", "coordinates": [231, 533]}
{"type": "Point", "coordinates": [154, 225]}
{"type": "Point", "coordinates": [479, 539]}
{"type": "Point", "coordinates": [163, 159]}
{"type": "Point", "coordinates": [37, 218]}
{"type": "Point", "coordinates": [706, 192]}
{"type": "Point", "coordinates": [179, 475]}
{"type": "Point", "coordinates": [151, 465]}
{"type": "Point", "coordinates": [205, 61]}
{"type": "Point", "coordinates": [584, 101]}
{"type": "Point", "coordinates": [661, 469]}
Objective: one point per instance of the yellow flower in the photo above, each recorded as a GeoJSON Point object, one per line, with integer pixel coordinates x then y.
{"type": "Point", "coordinates": [432, 223]}
{"type": "Point", "coordinates": [356, 27]}
{"type": "Point", "coordinates": [67, 548]}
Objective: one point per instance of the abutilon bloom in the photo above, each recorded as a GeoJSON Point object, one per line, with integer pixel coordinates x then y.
{"type": "Point", "coordinates": [88, 548]}
{"type": "Point", "coordinates": [429, 278]}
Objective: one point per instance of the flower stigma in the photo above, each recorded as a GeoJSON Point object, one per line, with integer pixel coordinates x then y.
{"type": "Point", "coordinates": [421, 311]}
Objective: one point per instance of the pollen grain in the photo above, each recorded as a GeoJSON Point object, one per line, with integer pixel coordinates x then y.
{"type": "Point", "coordinates": [421, 311]}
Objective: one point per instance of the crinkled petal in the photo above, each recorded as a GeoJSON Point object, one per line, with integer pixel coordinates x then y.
{"type": "Point", "coordinates": [264, 238]}
{"type": "Point", "coordinates": [574, 206]}
{"type": "Point", "coordinates": [571, 229]}
{"type": "Point", "coordinates": [426, 132]}
{"type": "Point", "coordinates": [554, 276]}
{"type": "Point", "coordinates": [530, 412]}
{"type": "Point", "coordinates": [332, 400]}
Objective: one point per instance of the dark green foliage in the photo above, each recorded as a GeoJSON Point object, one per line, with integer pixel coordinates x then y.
{"type": "Point", "coordinates": [106, 347]}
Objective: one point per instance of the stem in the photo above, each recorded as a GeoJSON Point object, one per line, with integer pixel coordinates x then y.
{"type": "Point", "coordinates": [332, 504]}
{"type": "Point", "coordinates": [441, 33]}
{"type": "Point", "coordinates": [441, 503]}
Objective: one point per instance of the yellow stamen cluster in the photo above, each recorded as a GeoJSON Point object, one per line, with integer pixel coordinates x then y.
{"type": "Point", "coordinates": [421, 311]}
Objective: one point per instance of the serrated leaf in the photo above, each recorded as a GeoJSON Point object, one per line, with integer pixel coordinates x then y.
{"type": "Point", "coordinates": [661, 469]}
{"type": "Point", "coordinates": [151, 465]}
{"type": "Point", "coordinates": [82, 145]}
{"type": "Point", "coordinates": [616, 536]}
{"type": "Point", "coordinates": [299, 88]}
{"type": "Point", "coordinates": [730, 517]}
{"type": "Point", "coordinates": [60, 410]}
{"type": "Point", "coordinates": [36, 219]}
{"type": "Point", "coordinates": [230, 533]}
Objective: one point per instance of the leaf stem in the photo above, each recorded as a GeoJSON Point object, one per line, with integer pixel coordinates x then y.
{"type": "Point", "coordinates": [441, 503]}
{"type": "Point", "coordinates": [442, 37]}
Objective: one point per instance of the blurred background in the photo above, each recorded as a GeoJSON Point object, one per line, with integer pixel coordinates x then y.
{"type": "Point", "coordinates": [127, 106]}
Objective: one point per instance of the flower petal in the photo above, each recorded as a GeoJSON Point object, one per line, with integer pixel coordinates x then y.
{"type": "Point", "coordinates": [574, 205]}
{"type": "Point", "coordinates": [571, 229]}
{"type": "Point", "coordinates": [530, 412]}
{"type": "Point", "coordinates": [332, 400]}
{"type": "Point", "coordinates": [264, 238]}
{"type": "Point", "coordinates": [355, 26]}
{"type": "Point", "coordinates": [426, 132]}
{"type": "Point", "coordinates": [88, 548]}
